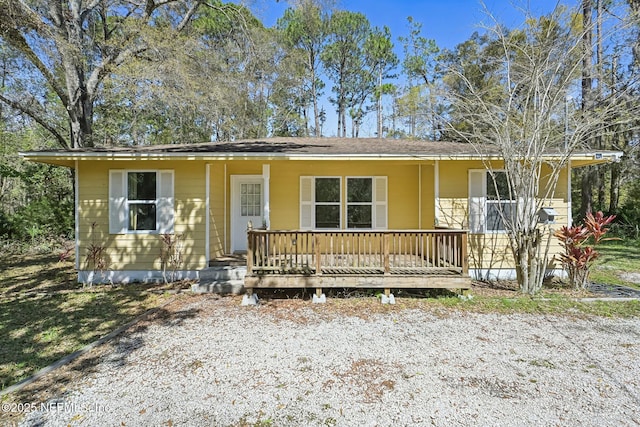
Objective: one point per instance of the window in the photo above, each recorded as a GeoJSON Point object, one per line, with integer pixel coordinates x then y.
{"type": "Point", "coordinates": [499, 201]}
{"type": "Point", "coordinates": [141, 201]}
{"type": "Point", "coordinates": [327, 202]}
{"type": "Point", "coordinates": [359, 202]}
{"type": "Point", "coordinates": [490, 201]}
{"type": "Point", "coordinates": [323, 202]}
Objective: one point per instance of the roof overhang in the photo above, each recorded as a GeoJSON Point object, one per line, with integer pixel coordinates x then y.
{"type": "Point", "coordinates": [595, 158]}
{"type": "Point", "coordinates": [305, 149]}
{"type": "Point", "coordinates": [68, 159]}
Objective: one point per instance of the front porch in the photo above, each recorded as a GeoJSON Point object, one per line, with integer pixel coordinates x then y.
{"type": "Point", "coordinates": [357, 259]}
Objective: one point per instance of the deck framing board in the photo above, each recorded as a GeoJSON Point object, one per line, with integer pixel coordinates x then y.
{"type": "Point", "coordinates": [359, 281]}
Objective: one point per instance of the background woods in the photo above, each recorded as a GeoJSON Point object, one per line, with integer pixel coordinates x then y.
{"type": "Point", "coordinates": [96, 73]}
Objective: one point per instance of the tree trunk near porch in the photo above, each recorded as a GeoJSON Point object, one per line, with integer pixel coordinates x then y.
{"type": "Point", "coordinates": [586, 190]}
{"type": "Point", "coordinates": [614, 189]}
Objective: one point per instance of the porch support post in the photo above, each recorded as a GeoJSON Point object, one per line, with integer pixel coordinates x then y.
{"type": "Point", "coordinates": [224, 232]}
{"type": "Point", "coordinates": [419, 196]}
{"type": "Point", "coordinates": [569, 201]}
{"type": "Point", "coordinates": [387, 297]}
{"type": "Point", "coordinates": [266, 177]}
{"type": "Point", "coordinates": [250, 248]}
{"type": "Point", "coordinates": [385, 253]}
{"type": "Point", "coordinates": [464, 258]}
{"type": "Point", "coordinates": [319, 297]}
{"type": "Point", "coordinates": [207, 213]}
{"type": "Point", "coordinates": [436, 191]}
{"type": "Point", "coordinates": [250, 298]}
{"type": "Point", "coordinates": [318, 254]}
{"type": "Point", "coordinates": [76, 203]}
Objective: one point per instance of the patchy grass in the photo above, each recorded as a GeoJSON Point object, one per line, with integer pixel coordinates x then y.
{"type": "Point", "coordinates": [618, 264]}
{"type": "Point", "coordinates": [484, 299]}
{"type": "Point", "coordinates": [20, 273]}
{"type": "Point", "coordinates": [45, 314]}
{"type": "Point", "coordinates": [553, 304]}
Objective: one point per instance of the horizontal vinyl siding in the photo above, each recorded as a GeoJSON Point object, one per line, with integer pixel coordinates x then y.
{"type": "Point", "coordinates": [216, 209]}
{"type": "Point", "coordinates": [453, 212]}
{"type": "Point", "coordinates": [428, 196]}
{"type": "Point", "coordinates": [402, 188]}
{"type": "Point", "coordinates": [141, 251]}
{"type": "Point", "coordinates": [490, 250]}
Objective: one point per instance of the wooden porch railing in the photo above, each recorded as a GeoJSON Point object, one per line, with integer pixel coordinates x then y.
{"type": "Point", "coordinates": [357, 252]}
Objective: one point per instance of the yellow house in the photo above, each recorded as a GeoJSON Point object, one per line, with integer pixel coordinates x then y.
{"type": "Point", "coordinates": [307, 212]}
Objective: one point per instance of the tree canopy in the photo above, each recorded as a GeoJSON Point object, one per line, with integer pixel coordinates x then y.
{"type": "Point", "coordinates": [118, 73]}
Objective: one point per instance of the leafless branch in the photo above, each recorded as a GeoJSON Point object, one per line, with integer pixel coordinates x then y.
{"type": "Point", "coordinates": [37, 117]}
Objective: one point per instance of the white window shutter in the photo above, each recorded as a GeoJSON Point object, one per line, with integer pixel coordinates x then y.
{"type": "Point", "coordinates": [380, 202]}
{"type": "Point", "coordinates": [165, 215]}
{"type": "Point", "coordinates": [306, 203]}
{"type": "Point", "coordinates": [117, 206]}
{"type": "Point", "coordinates": [477, 195]}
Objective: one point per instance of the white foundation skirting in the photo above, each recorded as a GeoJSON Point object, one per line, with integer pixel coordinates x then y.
{"type": "Point", "coordinates": [506, 273]}
{"type": "Point", "coordinates": [130, 276]}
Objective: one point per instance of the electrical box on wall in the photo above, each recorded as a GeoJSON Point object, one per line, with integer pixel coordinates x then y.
{"type": "Point", "coordinates": [547, 216]}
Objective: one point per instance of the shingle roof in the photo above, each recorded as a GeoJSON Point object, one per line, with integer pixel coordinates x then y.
{"type": "Point", "coordinates": [292, 145]}
{"type": "Point", "coordinates": [304, 148]}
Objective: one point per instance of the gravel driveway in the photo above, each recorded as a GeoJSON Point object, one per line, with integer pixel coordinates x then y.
{"type": "Point", "coordinates": [287, 363]}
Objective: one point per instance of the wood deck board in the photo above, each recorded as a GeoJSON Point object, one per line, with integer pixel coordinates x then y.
{"type": "Point", "coordinates": [358, 281]}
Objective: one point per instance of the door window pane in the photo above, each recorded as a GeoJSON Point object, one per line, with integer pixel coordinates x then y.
{"type": "Point", "coordinates": [250, 199]}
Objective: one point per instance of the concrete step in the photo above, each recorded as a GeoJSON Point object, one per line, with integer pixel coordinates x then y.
{"type": "Point", "coordinates": [222, 279]}
{"type": "Point", "coordinates": [235, 287]}
{"type": "Point", "coordinates": [222, 273]}
{"type": "Point", "coordinates": [234, 260]}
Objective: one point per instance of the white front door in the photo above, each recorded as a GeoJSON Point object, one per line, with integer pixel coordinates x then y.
{"type": "Point", "coordinates": [247, 203]}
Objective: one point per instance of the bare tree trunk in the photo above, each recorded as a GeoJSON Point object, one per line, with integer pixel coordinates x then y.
{"type": "Point", "coordinates": [316, 112]}
{"type": "Point", "coordinates": [614, 188]}
{"type": "Point", "coordinates": [586, 190]}
{"type": "Point", "coordinates": [601, 179]}
{"type": "Point", "coordinates": [586, 185]}
{"type": "Point", "coordinates": [379, 106]}
{"type": "Point", "coordinates": [601, 185]}
{"type": "Point", "coordinates": [635, 9]}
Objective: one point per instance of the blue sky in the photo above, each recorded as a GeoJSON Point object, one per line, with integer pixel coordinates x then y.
{"type": "Point", "coordinates": [448, 22]}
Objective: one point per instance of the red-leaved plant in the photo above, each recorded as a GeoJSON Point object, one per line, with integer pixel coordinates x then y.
{"type": "Point", "coordinates": [578, 243]}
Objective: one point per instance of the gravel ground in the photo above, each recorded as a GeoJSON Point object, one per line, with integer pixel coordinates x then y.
{"type": "Point", "coordinates": [212, 362]}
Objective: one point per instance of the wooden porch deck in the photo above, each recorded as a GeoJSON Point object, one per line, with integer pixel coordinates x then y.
{"type": "Point", "coordinates": [358, 259]}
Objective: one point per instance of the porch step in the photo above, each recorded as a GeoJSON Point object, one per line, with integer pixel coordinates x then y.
{"type": "Point", "coordinates": [223, 273]}
{"type": "Point", "coordinates": [223, 279]}
{"type": "Point", "coordinates": [235, 287]}
{"type": "Point", "coordinates": [229, 260]}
